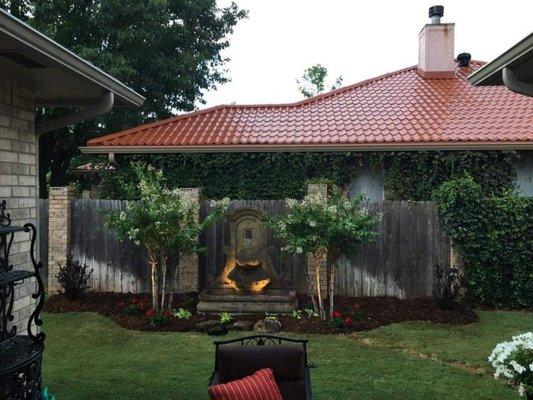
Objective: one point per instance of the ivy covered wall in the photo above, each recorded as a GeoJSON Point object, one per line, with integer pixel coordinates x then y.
{"type": "Point", "coordinates": [407, 175]}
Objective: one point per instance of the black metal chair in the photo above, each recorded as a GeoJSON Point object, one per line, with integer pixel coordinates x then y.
{"type": "Point", "coordinates": [238, 358]}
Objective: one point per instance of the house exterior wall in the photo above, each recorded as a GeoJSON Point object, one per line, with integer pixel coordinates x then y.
{"type": "Point", "coordinates": [18, 180]}
{"type": "Point", "coordinates": [368, 181]}
{"type": "Point", "coordinates": [524, 174]}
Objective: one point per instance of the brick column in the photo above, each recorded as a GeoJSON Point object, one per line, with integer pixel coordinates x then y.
{"type": "Point", "coordinates": [58, 232]}
{"type": "Point", "coordinates": [322, 189]}
{"type": "Point", "coordinates": [188, 278]}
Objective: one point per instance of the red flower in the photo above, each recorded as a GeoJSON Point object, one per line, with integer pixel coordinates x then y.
{"type": "Point", "coordinates": [337, 314]}
{"type": "Point", "coordinates": [150, 313]}
{"type": "Point", "coordinates": [348, 321]}
{"type": "Point", "coordinates": [168, 314]}
{"type": "Point", "coordinates": [133, 300]}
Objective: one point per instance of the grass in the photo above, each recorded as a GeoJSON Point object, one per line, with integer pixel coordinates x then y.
{"type": "Point", "coordinates": [90, 357]}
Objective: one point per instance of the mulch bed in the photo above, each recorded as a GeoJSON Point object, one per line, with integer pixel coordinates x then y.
{"type": "Point", "coordinates": [374, 312]}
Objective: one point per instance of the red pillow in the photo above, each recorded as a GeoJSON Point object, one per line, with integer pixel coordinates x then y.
{"type": "Point", "coordinates": [259, 386]}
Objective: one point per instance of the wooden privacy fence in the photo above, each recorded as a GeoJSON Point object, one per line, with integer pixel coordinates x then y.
{"type": "Point", "coordinates": [117, 266]}
{"type": "Point", "coordinates": [400, 263]}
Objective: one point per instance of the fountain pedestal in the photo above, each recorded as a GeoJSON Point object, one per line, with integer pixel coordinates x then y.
{"type": "Point", "coordinates": [275, 301]}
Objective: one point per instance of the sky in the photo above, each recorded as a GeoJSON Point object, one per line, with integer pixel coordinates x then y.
{"type": "Point", "coordinates": [353, 38]}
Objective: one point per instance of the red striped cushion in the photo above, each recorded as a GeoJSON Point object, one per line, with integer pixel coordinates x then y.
{"type": "Point", "coordinates": [259, 386]}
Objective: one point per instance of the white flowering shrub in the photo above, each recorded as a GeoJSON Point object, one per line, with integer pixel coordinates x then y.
{"type": "Point", "coordinates": [317, 226]}
{"type": "Point", "coordinates": [164, 222]}
{"type": "Point", "coordinates": [514, 361]}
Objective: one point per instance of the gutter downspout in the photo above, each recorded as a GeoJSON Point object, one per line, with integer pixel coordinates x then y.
{"type": "Point", "coordinates": [105, 105]}
{"type": "Point", "coordinates": [511, 81]}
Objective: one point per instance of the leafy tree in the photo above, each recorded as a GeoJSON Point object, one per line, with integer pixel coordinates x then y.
{"type": "Point", "coordinates": [320, 226]}
{"type": "Point", "coordinates": [313, 81]}
{"type": "Point", "coordinates": [165, 223]}
{"type": "Point", "coordinates": [169, 51]}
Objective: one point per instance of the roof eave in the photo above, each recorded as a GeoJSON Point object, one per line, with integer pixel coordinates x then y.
{"type": "Point", "coordinates": [527, 145]}
{"type": "Point", "coordinates": [490, 73]}
{"type": "Point", "coordinates": [42, 44]}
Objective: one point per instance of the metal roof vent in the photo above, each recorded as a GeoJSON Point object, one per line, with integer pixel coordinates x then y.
{"type": "Point", "coordinates": [436, 13]}
{"type": "Point", "coordinates": [463, 59]}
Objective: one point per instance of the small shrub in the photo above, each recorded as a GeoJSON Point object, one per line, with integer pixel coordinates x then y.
{"type": "Point", "coordinates": [132, 309]}
{"type": "Point", "coordinates": [158, 319]}
{"type": "Point", "coordinates": [225, 318]}
{"type": "Point", "coordinates": [340, 320]}
{"type": "Point", "coordinates": [335, 323]}
{"type": "Point", "coordinates": [305, 313]}
{"type": "Point", "coordinates": [182, 313]}
{"type": "Point", "coordinates": [514, 361]}
{"type": "Point", "coordinates": [74, 279]}
{"type": "Point", "coordinates": [445, 289]}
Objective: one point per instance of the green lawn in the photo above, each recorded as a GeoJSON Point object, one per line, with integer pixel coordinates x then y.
{"type": "Point", "coordinates": [89, 357]}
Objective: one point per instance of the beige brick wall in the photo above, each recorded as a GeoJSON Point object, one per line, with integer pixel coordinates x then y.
{"type": "Point", "coordinates": [18, 180]}
{"type": "Point", "coordinates": [59, 215]}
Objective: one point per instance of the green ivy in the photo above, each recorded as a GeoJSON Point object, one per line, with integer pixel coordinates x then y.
{"type": "Point", "coordinates": [408, 175]}
{"type": "Point", "coordinates": [238, 175]}
{"type": "Point", "coordinates": [414, 175]}
{"type": "Point", "coordinates": [493, 234]}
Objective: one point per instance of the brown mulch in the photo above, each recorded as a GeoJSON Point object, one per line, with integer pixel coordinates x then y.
{"type": "Point", "coordinates": [373, 312]}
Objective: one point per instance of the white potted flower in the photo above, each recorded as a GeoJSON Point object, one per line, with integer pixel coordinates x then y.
{"type": "Point", "coordinates": [514, 361]}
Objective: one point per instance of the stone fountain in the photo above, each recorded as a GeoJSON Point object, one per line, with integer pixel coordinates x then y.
{"type": "Point", "coordinates": [248, 282]}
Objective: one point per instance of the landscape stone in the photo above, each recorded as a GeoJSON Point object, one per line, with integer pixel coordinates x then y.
{"type": "Point", "coordinates": [242, 325]}
{"type": "Point", "coordinates": [267, 325]}
{"type": "Point", "coordinates": [205, 326]}
{"type": "Point", "coordinates": [217, 330]}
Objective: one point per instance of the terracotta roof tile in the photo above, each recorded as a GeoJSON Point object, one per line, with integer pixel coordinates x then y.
{"type": "Point", "coordinates": [400, 107]}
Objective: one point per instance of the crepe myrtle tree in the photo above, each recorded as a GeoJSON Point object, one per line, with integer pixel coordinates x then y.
{"type": "Point", "coordinates": [164, 222]}
{"type": "Point", "coordinates": [320, 227]}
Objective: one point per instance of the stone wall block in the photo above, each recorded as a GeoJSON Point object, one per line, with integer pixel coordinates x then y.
{"type": "Point", "coordinates": [58, 232]}
{"type": "Point", "coordinates": [188, 276]}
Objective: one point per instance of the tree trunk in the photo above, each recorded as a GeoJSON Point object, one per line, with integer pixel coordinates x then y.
{"type": "Point", "coordinates": [318, 262]}
{"type": "Point", "coordinates": [310, 291]}
{"type": "Point", "coordinates": [174, 284]}
{"type": "Point", "coordinates": [153, 266]}
{"type": "Point", "coordinates": [164, 264]}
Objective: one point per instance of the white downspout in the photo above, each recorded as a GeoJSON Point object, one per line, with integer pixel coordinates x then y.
{"type": "Point", "coordinates": [106, 104]}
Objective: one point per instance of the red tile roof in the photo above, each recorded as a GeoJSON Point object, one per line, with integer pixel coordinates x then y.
{"type": "Point", "coordinates": [393, 110]}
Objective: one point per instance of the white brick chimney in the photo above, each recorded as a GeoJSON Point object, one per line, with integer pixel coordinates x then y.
{"type": "Point", "coordinates": [435, 54]}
